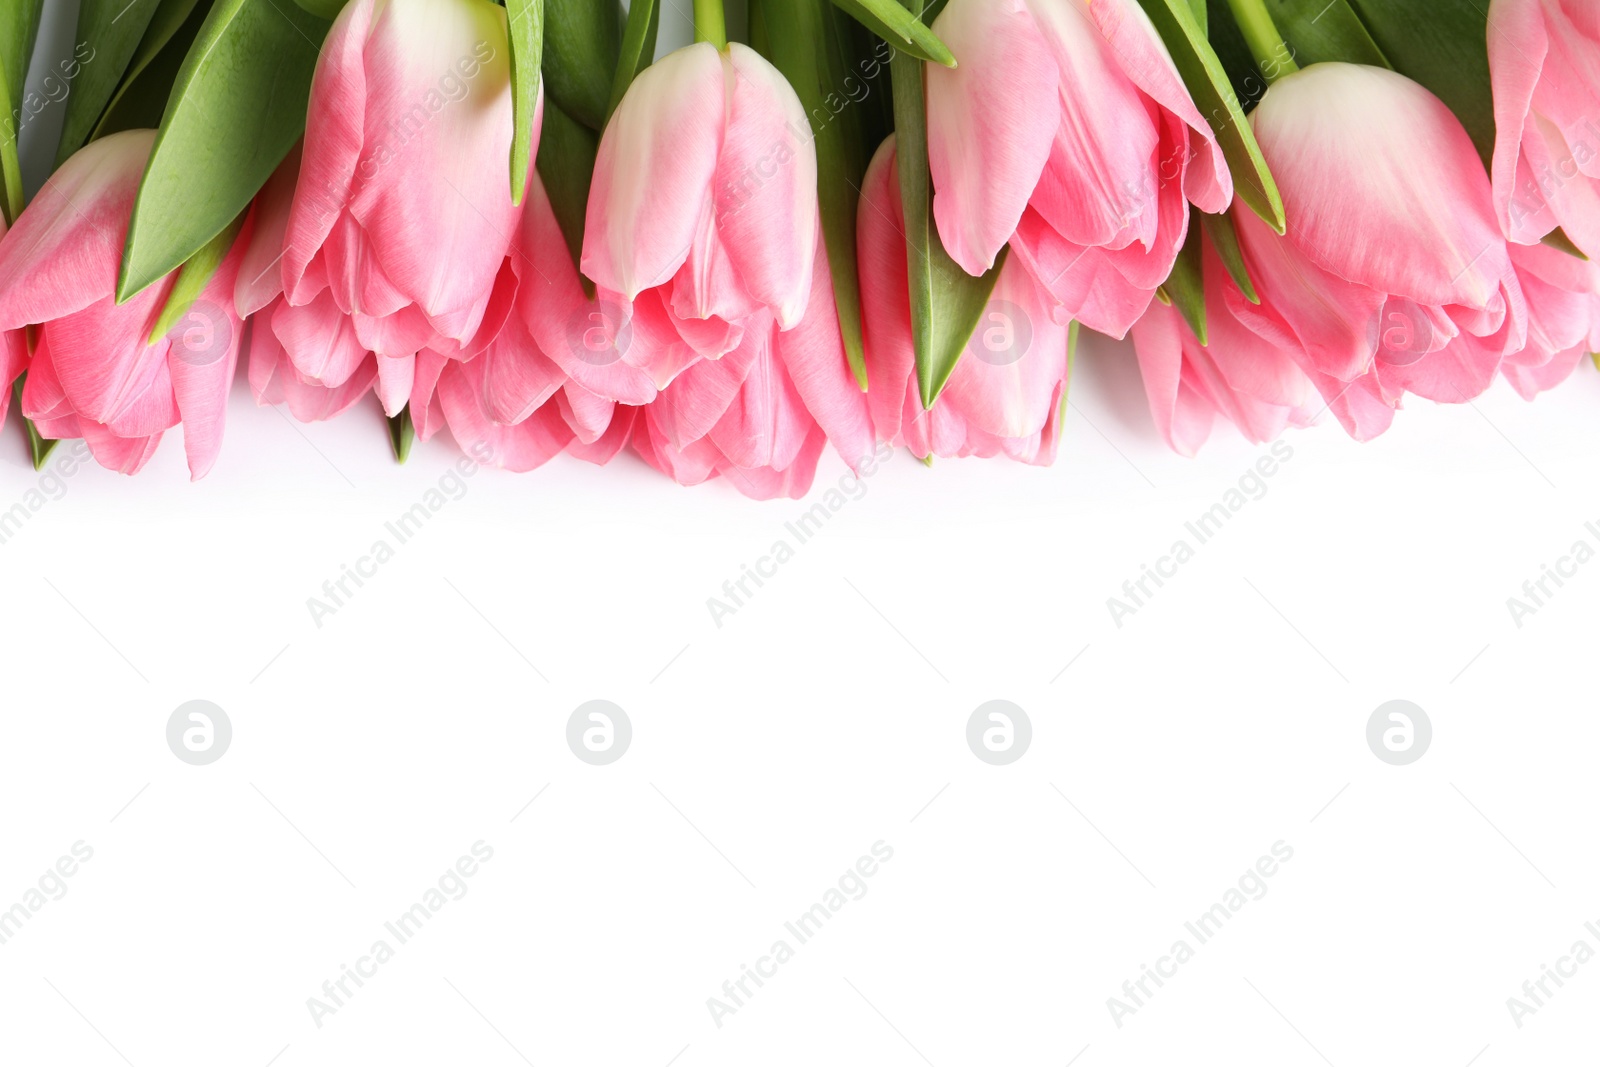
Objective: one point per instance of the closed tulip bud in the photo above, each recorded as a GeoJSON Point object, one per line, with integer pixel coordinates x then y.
{"type": "Point", "coordinates": [1393, 276]}
{"type": "Point", "coordinates": [402, 214]}
{"type": "Point", "coordinates": [1067, 131]}
{"type": "Point", "coordinates": [1544, 63]}
{"type": "Point", "coordinates": [96, 374]}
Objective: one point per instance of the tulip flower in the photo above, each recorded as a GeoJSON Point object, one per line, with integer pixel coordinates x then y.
{"type": "Point", "coordinates": [1544, 65]}
{"type": "Point", "coordinates": [402, 215]}
{"type": "Point", "coordinates": [762, 413]}
{"type": "Point", "coordinates": [1393, 276]}
{"type": "Point", "coordinates": [95, 373]}
{"type": "Point", "coordinates": [1236, 376]}
{"type": "Point", "coordinates": [1067, 131]}
{"type": "Point", "coordinates": [1563, 294]}
{"type": "Point", "coordinates": [702, 218]}
{"type": "Point", "coordinates": [13, 355]}
{"type": "Point", "coordinates": [1004, 396]}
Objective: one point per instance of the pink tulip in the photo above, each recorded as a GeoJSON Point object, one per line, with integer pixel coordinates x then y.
{"type": "Point", "coordinates": [761, 414]}
{"type": "Point", "coordinates": [1067, 131]}
{"type": "Point", "coordinates": [403, 213]}
{"type": "Point", "coordinates": [94, 374]}
{"type": "Point", "coordinates": [1004, 396]}
{"type": "Point", "coordinates": [702, 218]}
{"type": "Point", "coordinates": [1544, 62]}
{"type": "Point", "coordinates": [1563, 294]}
{"type": "Point", "coordinates": [13, 355]}
{"type": "Point", "coordinates": [1393, 276]}
{"type": "Point", "coordinates": [1238, 376]}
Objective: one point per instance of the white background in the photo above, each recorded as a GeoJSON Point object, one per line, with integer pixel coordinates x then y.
{"type": "Point", "coordinates": [768, 754]}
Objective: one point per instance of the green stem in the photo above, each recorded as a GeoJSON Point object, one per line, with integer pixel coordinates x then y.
{"type": "Point", "coordinates": [710, 24]}
{"type": "Point", "coordinates": [1273, 56]}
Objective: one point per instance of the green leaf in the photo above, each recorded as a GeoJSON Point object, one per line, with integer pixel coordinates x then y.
{"type": "Point", "coordinates": [638, 48]}
{"type": "Point", "coordinates": [19, 27]}
{"type": "Point", "coordinates": [1073, 329]}
{"type": "Point", "coordinates": [805, 40]}
{"type": "Point", "coordinates": [109, 32]}
{"type": "Point", "coordinates": [323, 9]}
{"type": "Point", "coordinates": [525, 27]}
{"type": "Point", "coordinates": [567, 149]}
{"type": "Point", "coordinates": [193, 277]}
{"type": "Point", "coordinates": [1443, 44]}
{"type": "Point", "coordinates": [402, 434]}
{"type": "Point", "coordinates": [946, 301]}
{"type": "Point", "coordinates": [38, 447]}
{"type": "Point", "coordinates": [1207, 82]}
{"type": "Point", "coordinates": [1225, 239]}
{"type": "Point", "coordinates": [142, 96]}
{"type": "Point", "coordinates": [582, 40]}
{"type": "Point", "coordinates": [900, 27]}
{"type": "Point", "coordinates": [10, 166]}
{"type": "Point", "coordinates": [238, 106]}
{"type": "Point", "coordinates": [1185, 287]}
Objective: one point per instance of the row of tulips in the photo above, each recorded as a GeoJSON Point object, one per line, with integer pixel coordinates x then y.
{"type": "Point", "coordinates": [708, 306]}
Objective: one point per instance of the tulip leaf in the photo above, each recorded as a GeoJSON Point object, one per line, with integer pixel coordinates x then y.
{"type": "Point", "coordinates": [525, 29]}
{"type": "Point", "coordinates": [1443, 45]}
{"type": "Point", "coordinates": [582, 40]}
{"type": "Point", "coordinates": [38, 447]}
{"type": "Point", "coordinates": [19, 27]}
{"type": "Point", "coordinates": [1207, 81]}
{"type": "Point", "coordinates": [142, 95]}
{"type": "Point", "coordinates": [402, 434]}
{"type": "Point", "coordinates": [805, 40]}
{"type": "Point", "coordinates": [638, 48]}
{"type": "Point", "coordinates": [10, 165]}
{"type": "Point", "coordinates": [193, 277]}
{"type": "Point", "coordinates": [900, 27]}
{"type": "Point", "coordinates": [567, 150]}
{"type": "Point", "coordinates": [1225, 239]}
{"type": "Point", "coordinates": [1185, 287]}
{"type": "Point", "coordinates": [323, 9]}
{"type": "Point", "coordinates": [109, 32]}
{"type": "Point", "coordinates": [238, 106]}
{"type": "Point", "coordinates": [946, 301]}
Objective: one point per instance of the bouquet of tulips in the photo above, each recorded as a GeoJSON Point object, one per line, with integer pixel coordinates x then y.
{"type": "Point", "coordinates": [877, 222]}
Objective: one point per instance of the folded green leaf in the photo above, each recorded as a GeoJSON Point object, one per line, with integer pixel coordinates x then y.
{"type": "Point", "coordinates": [238, 106]}
{"type": "Point", "coordinates": [323, 9]}
{"type": "Point", "coordinates": [38, 447]}
{"type": "Point", "coordinates": [638, 48]}
{"type": "Point", "coordinates": [1443, 44]}
{"type": "Point", "coordinates": [109, 32]}
{"type": "Point", "coordinates": [1225, 239]}
{"type": "Point", "coordinates": [567, 149]}
{"type": "Point", "coordinates": [805, 40]}
{"type": "Point", "coordinates": [193, 277]}
{"type": "Point", "coordinates": [1207, 81]}
{"type": "Point", "coordinates": [10, 166]}
{"type": "Point", "coordinates": [525, 28]}
{"type": "Point", "coordinates": [1185, 287]}
{"type": "Point", "coordinates": [582, 39]}
{"type": "Point", "coordinates": [19, 27]}
{"type": "Point", "coordinates": [402, 434]}
{"type": "Point", "coordinates": [141, 96]}
{"type": "Point", "coordinates": [895, 24]}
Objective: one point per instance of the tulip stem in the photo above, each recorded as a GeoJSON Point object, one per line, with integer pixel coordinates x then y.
{"type": "Point", "coordinates": [709, 23]}
{"type": "Point", "coordinates": [1273, 55]}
